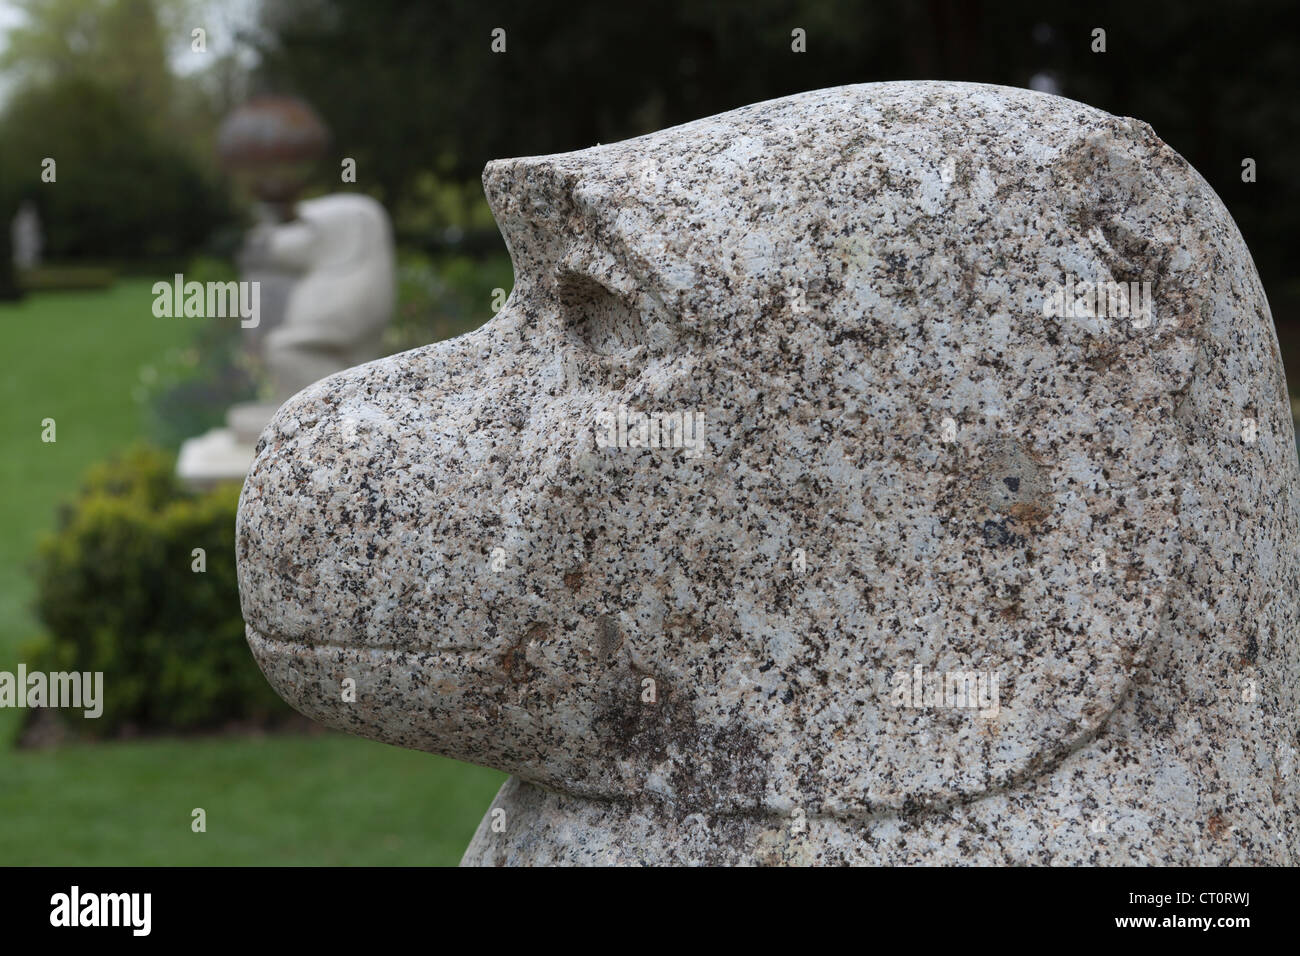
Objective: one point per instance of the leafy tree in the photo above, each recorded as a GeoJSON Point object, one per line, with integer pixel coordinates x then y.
{"type": "Point", "coordinates": [117, 42]}
{"type": "Point", "coordinates": [133, 144]}
{"type": "Point", "coordinates": [410, 87]}
{"type": "Point", "coordinates": [122, 191]}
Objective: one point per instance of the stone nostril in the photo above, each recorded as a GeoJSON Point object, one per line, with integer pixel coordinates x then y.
{"type": "Point", "coordinates": [598, 318]}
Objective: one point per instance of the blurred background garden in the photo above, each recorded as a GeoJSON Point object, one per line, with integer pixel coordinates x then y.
{"type": "Point", "coordinates": [95, 566]}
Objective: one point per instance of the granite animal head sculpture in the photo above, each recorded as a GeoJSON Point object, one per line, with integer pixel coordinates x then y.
{"type": "Point", "coordinates": [932, 554]}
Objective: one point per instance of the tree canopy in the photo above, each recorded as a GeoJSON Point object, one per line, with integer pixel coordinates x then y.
{"type": "Point", "coordinates": [413, 87]}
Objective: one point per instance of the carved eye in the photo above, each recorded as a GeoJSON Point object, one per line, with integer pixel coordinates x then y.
{"type": "Point", "coordinates": [600, 319]}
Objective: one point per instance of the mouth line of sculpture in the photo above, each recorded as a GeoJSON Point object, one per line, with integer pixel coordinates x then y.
{"type": "Point", "coordinates": [278, 640]}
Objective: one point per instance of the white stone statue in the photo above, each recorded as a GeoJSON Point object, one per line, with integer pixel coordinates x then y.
{"type": "Point", "coordinates": [342, 247]}
{"type": "Point", "coordinates": [26, 237]}
{"type": "Point", "coordinates": [337, 312]}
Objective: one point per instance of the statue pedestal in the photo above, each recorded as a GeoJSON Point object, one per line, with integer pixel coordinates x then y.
{"type": "Point", "coordinates": [224, 454]}
{"type": "Point", "coordinates": [215, 457]}
{"type": "Point", "coordinates": [249, 419]}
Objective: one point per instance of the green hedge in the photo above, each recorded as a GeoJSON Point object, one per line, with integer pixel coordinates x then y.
{"type": "Point", "coordinates": [117, 593]}
{"type": "Point", "coordinates": [65, 278]}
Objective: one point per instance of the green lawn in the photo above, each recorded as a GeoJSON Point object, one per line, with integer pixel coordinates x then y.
{"type": "Point", "coordinates": [76, 358]}
{"type": "Point", "coordinates": [275, 800]}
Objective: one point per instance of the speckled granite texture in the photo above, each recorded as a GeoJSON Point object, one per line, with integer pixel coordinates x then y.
{"type": "Point", "coordinates": [904, 467]}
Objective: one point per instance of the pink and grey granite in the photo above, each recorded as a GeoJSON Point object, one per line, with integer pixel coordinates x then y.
{"type": "Point", "coordinates": [894, 461]}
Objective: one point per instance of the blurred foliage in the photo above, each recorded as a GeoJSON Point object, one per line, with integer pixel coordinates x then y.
{"type": "Point", "coordinates": [117, 594]}
{"type": "Point", "coordinates": [188, 392]}
{"type": "Point", "coordinates": [123, 45]}
{"type": "Point", "coordinates": [91, 87]}
{"type": "Point", "coordinates": [121, 188]}
{"type": "Point", "coordinates": [119, 42]}
{"type": "Point", "coordinates": [1211, 79]}
{"type": "Point", "coordinates": [65, 278]}
{"type": "Point", "coordinates": [10, 289]}
{"type": "Point", "coordinates": [444, 297]}
{"type": "Point", "coordinates": [443, 216]}
{"type": "Point", "coordinates": [431, 203]}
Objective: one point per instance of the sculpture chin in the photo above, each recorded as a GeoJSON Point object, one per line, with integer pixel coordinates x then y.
{"type": "Point", "coordinates": [408, 699]}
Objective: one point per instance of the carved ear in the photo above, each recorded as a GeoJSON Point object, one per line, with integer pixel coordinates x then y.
{"type": "Point", "coordinates": [1014, 641]}
{"type": "Point", "coordinates": [1046, 580]}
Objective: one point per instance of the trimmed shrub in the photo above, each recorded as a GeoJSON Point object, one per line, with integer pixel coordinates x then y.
{"type": "Point", "coordinates": [118, 593]}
